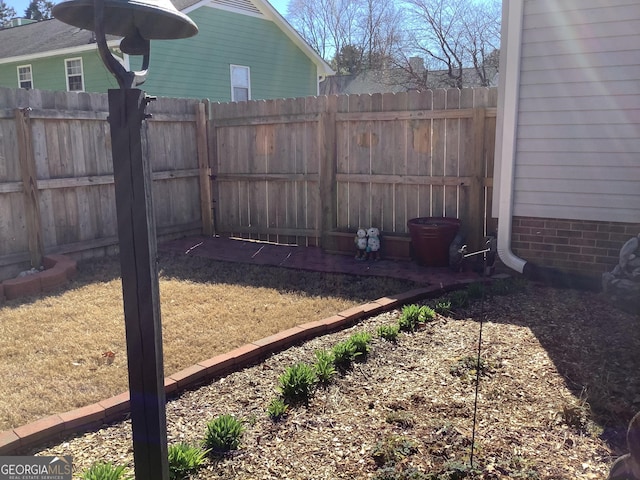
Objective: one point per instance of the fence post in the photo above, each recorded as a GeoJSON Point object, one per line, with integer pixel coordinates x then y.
{"type": "Point", "coordinates": [327, 156]}
{"type": "Point", "coordinates": [30, 185]}
{"type": "Point", "coordinates": [205, 170]}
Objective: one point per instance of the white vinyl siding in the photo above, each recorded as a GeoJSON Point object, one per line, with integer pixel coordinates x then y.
{"type": "Point", "coordinates": [578, 123]}
{"type": "Point", "coordinates": [74, 74]}
{"type": "Point", "coordinates": [25, 77]}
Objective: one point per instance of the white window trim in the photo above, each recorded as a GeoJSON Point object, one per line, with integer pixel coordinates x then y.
{"type": "Point", "coordinates": [30, 74]}
{"type": "Point", "coordinates": [66, 73]}
{"type": "Point", "coordinates": [231, 67]}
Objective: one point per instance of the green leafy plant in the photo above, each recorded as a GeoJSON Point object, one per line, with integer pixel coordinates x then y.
{"type": "Point", "coordinates": [427, 314]}
{"type": "Point", "coordinates": [443, 307]}
{"type": "Point", "coordinates": [413, 316]}
{"type": "Point", "coordinates": [459, 299]}
{"type": "Point", "coordinates": [185, 459]}
{"type": "Point", "coordinates": [391, 471]}
{"type": "Point", "coordinates": [507, 286]}
{"type": "Point", "coordinates": [409, 318]}
{"type": "Point", "coordinates": [476, 290]}
{"type": "Point", "coordinates": [277, 409]}
{"type": "Point", "coordinates": [344, 353]}
{"type": "Point", "coordinates": [393, 449]}
{"type": "Point", "coordinates": [468, 367]}
{"type": "Point", "coordinates": [297, 382]}
{"type": "Point", "coordinates": [223, 434]}
{"type": "Point", "coordinates": [105, 471]}
{"type": "Point", "coordinates": [400, 418]}
{"type": "Point", "coordinates": [389, 332]}
{"type": "Point", "coordinates": [361, 342]}
{"type": "Point", "coordinates": [324, 367]}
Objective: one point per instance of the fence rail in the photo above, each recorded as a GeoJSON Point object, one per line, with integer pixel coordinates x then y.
{"type": "Point", "coordinates": [291, 171]}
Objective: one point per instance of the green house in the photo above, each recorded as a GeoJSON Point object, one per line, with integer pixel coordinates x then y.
{"type": "Point", "coordinates": [244, 50]}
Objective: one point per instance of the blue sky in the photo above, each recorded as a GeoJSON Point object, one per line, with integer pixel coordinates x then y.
{"type": "Point", "coordinates": [21, 5]}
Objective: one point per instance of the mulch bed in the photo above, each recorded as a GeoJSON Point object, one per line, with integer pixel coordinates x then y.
{"type": "Point", "coordinates": [559, 381]}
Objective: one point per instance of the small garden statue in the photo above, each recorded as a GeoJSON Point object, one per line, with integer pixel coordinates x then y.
{"type": "Point", "coordinates": [373, 243]}
{"type": "Point", "coordinates": [627, 467]}
{"type": "Point", "coordinates": [361, 244]}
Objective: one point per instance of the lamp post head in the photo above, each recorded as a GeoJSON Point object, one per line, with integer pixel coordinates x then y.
{"type": "Point", "coordinates": [149, 19]}
{"type": "Point", "coordinates": [137, 21]}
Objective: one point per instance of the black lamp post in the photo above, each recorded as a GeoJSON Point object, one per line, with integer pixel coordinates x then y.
{"type": "Point", "coordinates": [137, 22]}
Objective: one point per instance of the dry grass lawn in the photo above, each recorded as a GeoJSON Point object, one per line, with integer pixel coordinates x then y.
{"type": "Point", "coordinates": [52, 346]}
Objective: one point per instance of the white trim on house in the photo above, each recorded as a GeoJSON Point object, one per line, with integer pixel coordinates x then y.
{"type": "Point", "coordinates": [234, 85]}
{"type": "Point", "coordinates": [67, 75]}
{"type": "Point", "coordinates": [244, 7]}
{"type": "Point", "coordinates": [62, 51]}
{"type": "Point", "coordinates": [18, 67]}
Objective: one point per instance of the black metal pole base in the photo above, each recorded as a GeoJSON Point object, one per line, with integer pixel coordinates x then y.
{"type": "Point", "coordinates": [136, 233]}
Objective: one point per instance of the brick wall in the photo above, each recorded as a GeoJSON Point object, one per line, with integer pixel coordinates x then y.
{"type": "Point", "coordinates": [576, 246]}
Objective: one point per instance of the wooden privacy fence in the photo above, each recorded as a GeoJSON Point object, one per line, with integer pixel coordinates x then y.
{"type": "Point", "coordinates": [298, 171]}
{"type": "Point", "coordinates": [302, 170]}
{"type": "Point", "coordinates": [56, 174]}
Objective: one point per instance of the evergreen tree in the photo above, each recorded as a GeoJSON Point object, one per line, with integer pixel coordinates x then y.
{"type": "Point", "coordinates": [39, 10]}
{"type": "Point", "coordinates": [6, 13]}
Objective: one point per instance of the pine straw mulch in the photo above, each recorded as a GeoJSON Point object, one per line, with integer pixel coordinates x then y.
{"type": "Point", "coordinates": [560, 379]}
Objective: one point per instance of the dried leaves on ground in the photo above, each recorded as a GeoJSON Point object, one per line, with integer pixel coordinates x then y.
{"type": "Point", "coordinates": [559, 380]}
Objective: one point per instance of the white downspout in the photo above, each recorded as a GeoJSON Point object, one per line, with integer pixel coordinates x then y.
{"type": "Point", "coordinates": [507, 118]}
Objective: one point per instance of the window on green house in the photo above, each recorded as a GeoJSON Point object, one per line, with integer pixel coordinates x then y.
{"type": "Point", "coordinates": [75, 77]}
{"type": "Point", "coordinates": [25, 78]}
{"type": "Point", "coordinates": [240, 83]}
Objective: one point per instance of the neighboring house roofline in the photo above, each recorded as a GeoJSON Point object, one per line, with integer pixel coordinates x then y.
{"type": "Point", "coordinates": [62, 51]}
{"type": "Point", "coordinates": [324, 69]}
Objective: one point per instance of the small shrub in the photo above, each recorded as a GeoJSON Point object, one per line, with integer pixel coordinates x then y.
{"type": "Point", "coordinates": [443, 307]}
{"type": "Point", "coordinates": [393, 449]}
{"type": "Point", "coordinates": [457, 470]}
{"type": "Point", "coordinates": [389, 332]}
{"type": "Point", "coordinates": [297, 382]}
{"type": "Point", "coordinates": [324, 367]}
{"type": "Point", "coordinates": [413, 316]}
{"type": "Point", "coordinates": [277, 409]}
{"type": "Point", "coordinates": [507, 286]}
{"type": "Point", "coordinates": [105, 471]}
{"type": "Point", "coordinates": [393, 472]}
{"type": "Point", "coordinates": [223, 434]}
{"type": "Point", "coordinates": [409, 318]}
{"type": "Point", "coordinates": [427, 314]}
{"type": "Point", "coordinates": [344, 353]}
{"type": "Point", "coordinates": [400, 418]}
{"type": "Point", "coordinates": [184, 459]}
{"type": "Point", "coordinates": [459, 299]}
{"type": "Point", "coordinates": [361, 341]}
{"type": "Point", "coordinates": [476, 290]}
{"type": "Point", "coordinates": [467, 368]}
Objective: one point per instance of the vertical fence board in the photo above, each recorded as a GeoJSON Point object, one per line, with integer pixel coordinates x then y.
{"type": "Point", "coordinates": [438, 152]}
{"type": "Point", "coordinates": [452, 155]}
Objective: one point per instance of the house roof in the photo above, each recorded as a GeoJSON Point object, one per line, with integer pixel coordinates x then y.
{"type": "Point", "coordinates": [52, 35]}
{"type": "Point", "coordinates": [45, 36]}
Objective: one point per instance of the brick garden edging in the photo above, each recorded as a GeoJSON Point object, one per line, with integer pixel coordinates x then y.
{"type": "Point", "coordinates": [59, 269]}
{"type": "Point", "coordinates": [83, 419]}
